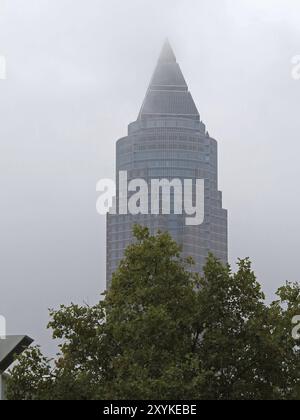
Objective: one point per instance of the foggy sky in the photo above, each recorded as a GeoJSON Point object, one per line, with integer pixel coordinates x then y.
{"type": "Point", "coordinates": [77, 73]}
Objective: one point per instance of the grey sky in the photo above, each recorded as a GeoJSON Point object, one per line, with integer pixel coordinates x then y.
{"type": "Point", "coordinates": [77, 72]}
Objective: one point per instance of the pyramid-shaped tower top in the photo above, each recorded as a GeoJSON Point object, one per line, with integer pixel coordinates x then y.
{"type": "Point", "coordinates": [167, 55]}
{"type": "Point", "coordinates": [168, 94]}
{"type": "Point", "coordinates": [168, 75]}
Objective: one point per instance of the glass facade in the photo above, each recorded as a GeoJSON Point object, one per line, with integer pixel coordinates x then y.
{"type": "Point", "coordinates": [169, 141]}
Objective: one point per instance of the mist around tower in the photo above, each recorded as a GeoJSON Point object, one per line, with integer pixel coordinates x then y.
{"type": "Point", "coordinates": [147, 261]}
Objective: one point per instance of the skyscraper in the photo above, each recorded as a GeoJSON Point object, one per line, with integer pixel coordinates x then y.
{"type": "Point", "coordinates": [170, 141]}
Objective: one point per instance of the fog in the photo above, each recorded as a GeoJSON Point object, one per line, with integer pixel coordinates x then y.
{"type": "Point", "coordinates": [76, 75]}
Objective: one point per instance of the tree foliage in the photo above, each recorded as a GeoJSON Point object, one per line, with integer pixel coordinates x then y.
{"type": "Point", "coordinates": [165, 332]}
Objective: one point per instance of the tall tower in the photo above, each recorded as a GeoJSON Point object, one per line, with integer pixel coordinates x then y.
{"type": "Point", "coordinates": [170, 141]}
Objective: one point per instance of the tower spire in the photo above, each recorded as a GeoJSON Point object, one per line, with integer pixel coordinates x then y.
{"type": "Point", "coordinates": [168, 94]}
{"type": "Point", "coordinates": [167, 54]}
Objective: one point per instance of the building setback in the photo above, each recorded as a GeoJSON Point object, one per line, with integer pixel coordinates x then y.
{"type": "Point", "coordinates": [170, 141]}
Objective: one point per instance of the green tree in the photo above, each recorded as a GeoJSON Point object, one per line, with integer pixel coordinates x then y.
{"type": "Point", "coordinates": [164, 332]}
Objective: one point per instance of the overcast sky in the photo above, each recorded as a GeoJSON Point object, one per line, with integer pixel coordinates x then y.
{"type": "Point", "coordinates": [77, 72]}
